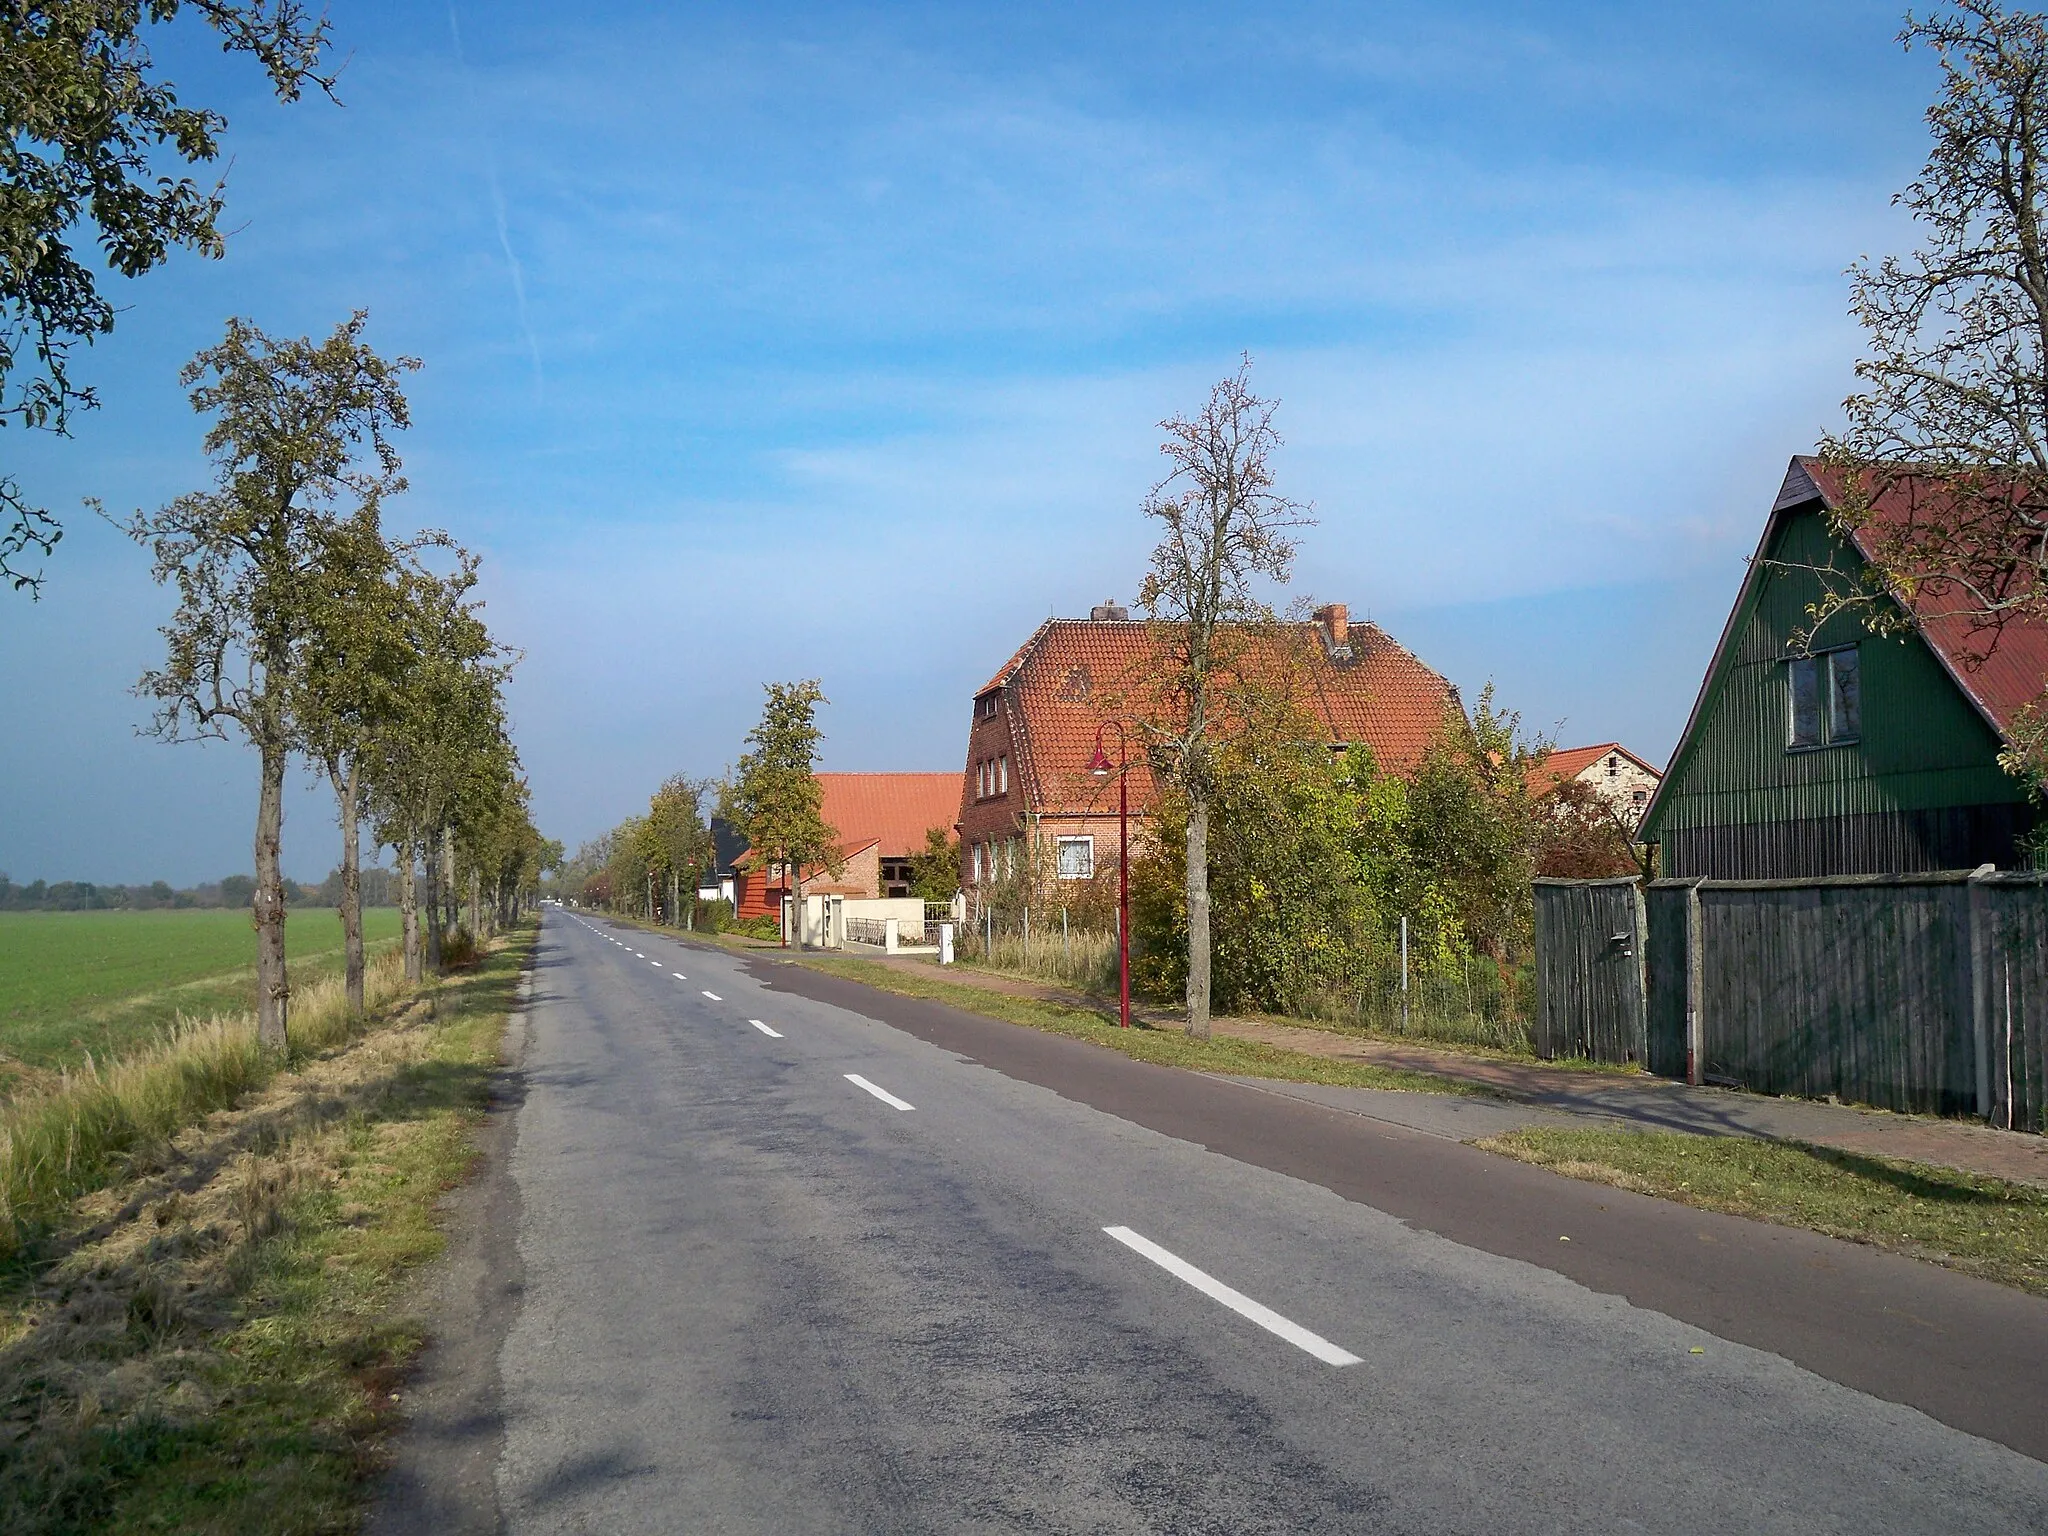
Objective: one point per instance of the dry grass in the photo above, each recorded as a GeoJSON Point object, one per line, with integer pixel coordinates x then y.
{"type": "Point", "coordinates": [1083, 961]}
{"type": "Point", "coordinates": [215, 1340]}
{"type": "Point", "coordinates": [96, 1122]}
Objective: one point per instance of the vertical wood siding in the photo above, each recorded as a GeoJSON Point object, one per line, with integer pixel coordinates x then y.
{"type": "Point", "coordinates": [1923, 993]}
{"type": "Point", "coordinates": [1589, 969]}
{"type": "Point", "coordinates": [1923, 745]}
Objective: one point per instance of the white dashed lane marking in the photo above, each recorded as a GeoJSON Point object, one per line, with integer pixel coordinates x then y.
{"type": "Point", "coordinates": [772, 1034]}
{"type": "Point", "coordinates": [714, 997]}
{"type": "Point", "coordinates": [1237, 1301]}
{"type": "Point", "coordinates": [881, 1093]}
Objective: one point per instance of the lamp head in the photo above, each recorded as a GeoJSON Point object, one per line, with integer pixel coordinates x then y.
{"type": "Point", "coordinates": [1100, 765]}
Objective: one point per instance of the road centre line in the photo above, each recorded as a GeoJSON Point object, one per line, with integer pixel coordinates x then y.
{"type": "Point", "coordinates": [772, 1034]}
{"type": "Point", "coordinates": [714, 997]}
{"type": "Point", "coordinates": [1237, 1301]}
{"type": "Point", "coordinates": [881, 1093]}
{"type": "Point", "coordinates": [679, 976]}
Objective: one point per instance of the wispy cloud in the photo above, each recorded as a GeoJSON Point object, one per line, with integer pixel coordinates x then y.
{"type": "Point", "coordinates": [497, 191]}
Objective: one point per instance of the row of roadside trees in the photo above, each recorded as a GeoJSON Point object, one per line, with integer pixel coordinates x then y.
{"type": "Point", "coordinates": [309, 632]}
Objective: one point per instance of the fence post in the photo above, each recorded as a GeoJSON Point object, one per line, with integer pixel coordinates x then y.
{"type": "Point", "coordinates": [945, 943]}
{"type": "Point", "coordinates": [1980, 984]}
{"type": "Point", "coordinates": [1641, 945]}
{"type": "Point", "coordinates": [1404, 973]}
{"type": "Point", "coordinates": [890, 935]}
{"type": "Point", "coordinates": [1695, 984]}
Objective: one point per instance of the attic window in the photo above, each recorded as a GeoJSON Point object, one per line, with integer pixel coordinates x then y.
{"type": "Point", "coordinates": [985, 707]}
{"type": "Point", "coordinates": [1825, 699]}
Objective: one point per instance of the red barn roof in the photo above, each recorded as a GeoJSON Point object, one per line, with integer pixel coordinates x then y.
{"type": "Point", "coordinates": [895, 809]}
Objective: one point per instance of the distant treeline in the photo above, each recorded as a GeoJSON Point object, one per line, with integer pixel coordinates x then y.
{"type": "Point", "coordinates": [380, 889]}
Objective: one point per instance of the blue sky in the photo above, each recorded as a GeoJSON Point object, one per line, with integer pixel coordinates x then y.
{"type": "Point", "coordinates": [766, 341]}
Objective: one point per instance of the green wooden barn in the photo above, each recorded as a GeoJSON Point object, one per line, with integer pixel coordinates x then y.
{"type": "Point", "coordinates": [1863, 755]}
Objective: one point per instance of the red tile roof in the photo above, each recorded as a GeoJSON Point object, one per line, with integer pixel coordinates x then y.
{"type": "Point", "coordinates": [1564, 763]}
{"type": "Point", "coordinates": [895, 808]}
{"type": "Point", "coordinates": [2001, 670]}
{"type": "Point", "coordinates": [1075, 673]}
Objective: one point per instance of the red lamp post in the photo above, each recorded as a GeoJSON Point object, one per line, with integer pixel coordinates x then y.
{"type": "Point", "coordinates": [1101, 767]}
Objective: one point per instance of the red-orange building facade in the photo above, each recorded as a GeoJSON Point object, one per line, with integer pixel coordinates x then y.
{"type": "Point", "coordinates": [1035, 723]}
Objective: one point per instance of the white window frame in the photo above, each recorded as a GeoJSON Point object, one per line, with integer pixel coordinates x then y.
{"type": "Point", "coordinates": [1003, 774]}
{"type": "Point", "coordinates": [1082, 868]}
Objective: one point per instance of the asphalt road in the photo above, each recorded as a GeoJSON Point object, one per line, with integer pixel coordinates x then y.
{"type": "Point", "coordinates": [717, 1284]}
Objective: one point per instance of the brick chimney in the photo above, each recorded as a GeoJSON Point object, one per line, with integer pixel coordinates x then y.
{"type": "Point", "coordinates": [1336, 621]}
{"type": "Point", "coordinates": [1109, 612]}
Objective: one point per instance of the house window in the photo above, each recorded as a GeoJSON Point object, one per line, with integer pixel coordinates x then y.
{"type": "Point", "coordinates": [1826, 698]}
{"type": "Point", "coordinates": [981, 781]}
{"type": "Point", "coordinates": [1076, 858]}
{"type": "Point", "coordinates": [985, 708]}
{"type": "Point", "coordinates": [977, 863]}
{"type": "Point", "coordinates": [1003, 774]}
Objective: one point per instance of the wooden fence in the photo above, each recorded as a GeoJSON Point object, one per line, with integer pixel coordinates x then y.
{"type": "Point", "coordinates": [1589, 970]}
{"type": "Point", "coordinates": [1912, 992]}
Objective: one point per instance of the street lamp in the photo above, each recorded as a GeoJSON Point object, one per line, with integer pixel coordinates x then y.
{"type": "Point", "coordinates": [1101, 767]}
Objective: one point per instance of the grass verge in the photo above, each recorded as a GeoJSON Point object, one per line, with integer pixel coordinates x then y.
{"type": "Point", "coordinates": [1984, 1226]}
{"type": "Point", "coordinates": [1169, 1047]}
{"type": "Point", "coordinates": [91, 1123]}
{"type": "Point", "coordinates": [213, 1343]}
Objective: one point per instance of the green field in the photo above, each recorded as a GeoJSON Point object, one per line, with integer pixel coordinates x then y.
{"type": "Point", "coordinates": [73, 982]}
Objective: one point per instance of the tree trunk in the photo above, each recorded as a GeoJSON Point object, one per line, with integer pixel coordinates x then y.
{"type": "Point", "coordinates": [348, 801]}
{"type": "Point", "coordinates": [273, 993]}
{"type": "Point", "coordinates": [451, 898]}
{"type": "Point", "coordinates": [409, 909]}
{"type": "Point", "coordinates": [476, 905]}
{"type": "Point", "coordinates": [1198, 917]}
{"type": "Point", "coordinates": [431, 858]}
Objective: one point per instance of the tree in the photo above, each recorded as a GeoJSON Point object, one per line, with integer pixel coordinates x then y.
{"type": "Point", "coordinates": [678, 843]}
{"type": "Point", "coordinates": [1225, 528]}
{"type": "Point", "coordinates": [300, 443]}
{"type": "Point", "coordinates": [775, 798]}
{"type": "Point", "coordinates": [1288, 874]}
{"type": "Point", "coordinates": [935, 869]}
{"type": "Point", "coordinates": [341, 696]}
{"type": "Point", "coordinates": [1955, 386]}
{"type": "Point", "coordinates": [444, 748]}
{"type": "Point", "coordinates": [87, 121]}
{"type": "Point", "coordinates": [1582, 837]}
{"type": "Point", "coordinates": [1470, 831]}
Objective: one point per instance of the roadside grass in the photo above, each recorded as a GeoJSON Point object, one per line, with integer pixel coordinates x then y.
{"type": "Point", "coordinates": [215, 1342]}
{"type": "Point", "coordinates": [1049, 965]}
{"type": "Point", "coordinates": [92, 1124]}
{"type": "Point", "coordinates": [1986, 1227]}
{"type": "Point", "coordinates": [1165, 1046]}
{"type": "Point", "coordinates": [79, 984]}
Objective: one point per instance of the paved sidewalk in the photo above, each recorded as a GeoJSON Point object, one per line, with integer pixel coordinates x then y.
{"type": "Point", "coordinates": [1581, 1097]}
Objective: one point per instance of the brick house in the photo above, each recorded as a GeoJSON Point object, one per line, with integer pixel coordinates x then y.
{"type": "Point", "coordinates": [1034, 726]}
{"type": "Point", "coordinates": [881, 819]}
{"type": "Point", "coordinates": [1615, 774]}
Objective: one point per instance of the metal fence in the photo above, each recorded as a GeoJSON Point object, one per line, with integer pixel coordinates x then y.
{"type": "Point", "coordinates": [1910, 992]}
